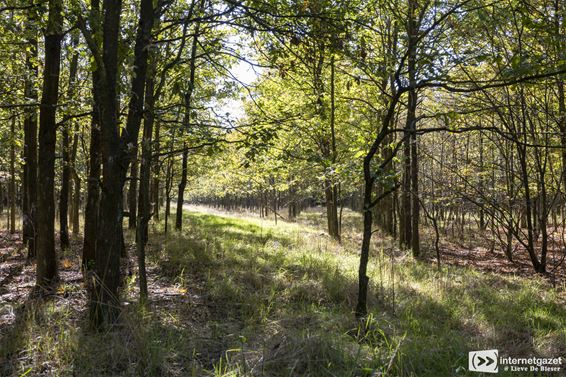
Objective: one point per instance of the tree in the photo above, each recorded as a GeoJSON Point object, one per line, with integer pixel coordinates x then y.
{"type": "Point", "coordinates": [46, 258]}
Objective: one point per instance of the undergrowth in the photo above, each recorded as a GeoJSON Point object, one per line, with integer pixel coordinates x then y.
{"type": "Point", "coordinates": [238, 296]}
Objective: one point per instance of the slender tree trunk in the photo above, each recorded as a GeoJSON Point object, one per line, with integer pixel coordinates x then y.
{"type": "Point", "coordinates": [168, 186]}
{"type": "Point", "coordinates": [187, 121]}
{"type": "Point", "coordinates": [46, 258]}
{"type": "Point", "coordinates": [95, 163]}
{"type": "Point", "coordinates": [12, 186]}
{"type": "Point", "coordinates": [331, 188]}
{"type": "Point", "coordinates": [412, 31]}
{"type": "Point", "coordinates": [405, 208]}
{"type": "Point", "coordinates": [93, 195]}
{"type": "Point", "coordinates": [76, 203]}
{"type": "Point", "coordinates": [155, 172]}
{"type": "Point", "coordinates": [145, 176]}
{"type": "Point", "coordinates": [76, 182]}
{"type": "Point", "coordinates": [64, 193]}
{"type": "Point", "coordinates": [30, 148]}
{"type": "Point", "coordinates": [363, 279]}
{"type": "Point", "coordinates": [132, 191]}
{"type": "Point", "coordinates": [181, 192]}
{"type": "Point", "coordinates": [67, 168]}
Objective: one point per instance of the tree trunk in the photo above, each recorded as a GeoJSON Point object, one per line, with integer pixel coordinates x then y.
{"type": "Point", "coordinates": [67, 168]}
{"type": "Point", "coordinates": [104, 303]}
{"type": "Point", "coordinates": [181, 192]}
{"type": "Point", "coordinates": [331, 188]}
{"type": "Point", "coordinates": [64, 193]}
{"type": "Point", "coordinates": [46, 258]}
{"type": "Point", "coordinates": [12, 186]}
{"type": "Point", "coordinates": [187, 121]}
{"type": "Point", "coordinates": [330, 192]}
{"type": "Point", "coordinates": [405, 209]}
{"type": "Point", "coordinates": [144, 200]}
{"type": "Point", "coordinates": [363, 279]}
{"type": "Point", "coordinates": [30, 149]}
{"type": "Point", "coordinates": [132, 191]}
{"type": "Point", "coordinates": [93, 194]}
{"type": "Point", "coordinates": [155, 172]}
{"type": "Point", "coordinates": [412, 30]}
{"type": "Point", "coordinates": [116, 154]}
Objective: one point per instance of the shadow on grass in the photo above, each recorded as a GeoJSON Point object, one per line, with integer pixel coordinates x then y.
{"type": "Point", "coordinates": [262, 304]}
{"type": "Point", "coordinates": [474, 312]}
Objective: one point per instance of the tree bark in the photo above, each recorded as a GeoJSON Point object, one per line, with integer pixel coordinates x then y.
{"type": "Point", "coordinates": [133, 191]}
{"type": "Point", "coordinates": [116, 154]}
{"type": "Point", "coordinates": [181, 191]}
{"type": "Point", "coordinates": [412, 30]}
{"type": "Point", "coordinates": [46, 257]}
{"type": "Point", "coordinates": [155, 172]}
{"type": "Point", "coordinates": [12, 186]}
{"type": "Point", "coordinates": [67, 170]}
{"type": "Point", "coordinates": [93, 195]}
{"type": "Point", "coordinates": [187, 121]}
{"type": "Point", "coordinates": [144, 198]}
{"type": "Point", "coordinates": [30, 148]}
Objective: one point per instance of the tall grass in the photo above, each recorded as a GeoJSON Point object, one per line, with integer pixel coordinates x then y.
{"type": "Point", "coordinates": [239, 296]}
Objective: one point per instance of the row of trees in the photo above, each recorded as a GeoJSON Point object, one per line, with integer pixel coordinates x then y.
{"type": "Point", "coordinates": [451, 112]}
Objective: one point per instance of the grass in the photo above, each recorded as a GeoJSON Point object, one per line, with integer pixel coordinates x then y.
{"type": "Point", "coordinates": [240, 296]}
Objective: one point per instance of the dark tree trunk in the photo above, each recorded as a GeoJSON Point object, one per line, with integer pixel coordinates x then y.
{"type": "Point", "coordinates": [76, 203]}
{"type": "Point", "coordinates": [331, 194]}
{"type": "Point", "coordinates": [76, 180]}
{"type": "Point", "coordinates": [187, 121]}
{"type": "Point", "coordinates": [93, 195]}
{"type": "Point", "coordinates": [363, 279]}
{"type": "Point", "coordinates": [12, 185]}
{"type": "Point", "coordinates": [331, 188]}
{"type": "Point", "coordinates": [67, 168]}
{"type": "Point", "coordinates": [64, 193]}
{"type": "Point", "coordinates": [104, 303]}
{"type": "Point", "coordinates": [132, 191]}
{"type": "Point", "coordinates": [405, 208]}
{"type": "Point", "coordinates": [30, 150]}
{"type": "Point", "coordinates": [116, 154]}
{"type": "Point", "coordinates": [181, 192]}
{"type": "Point", "coordinates": [412, 30]}
{"type": "Point", "coordinates": [154, 195]}
{"type": "Point", "coordinates": [46, 258]}
{"type": "Point", "coordinates": [145, 175]}
{"type": "Point", "coordinates": [95, 163]}
{"type": "Point", "coordinates": [168, 188]}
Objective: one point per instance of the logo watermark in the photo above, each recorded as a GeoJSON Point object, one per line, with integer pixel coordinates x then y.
{"type": "Point", "coordinates": [489, 361]}
{"type": "Point", "coordinates": [483, 361]}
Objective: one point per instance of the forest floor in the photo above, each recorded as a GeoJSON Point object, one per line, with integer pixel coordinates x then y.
{"type": "Point", "coordinates": [236, 295]}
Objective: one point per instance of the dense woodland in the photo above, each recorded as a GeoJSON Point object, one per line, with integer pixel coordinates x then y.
{"type": "Point", "coordinates": [380, 146]}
